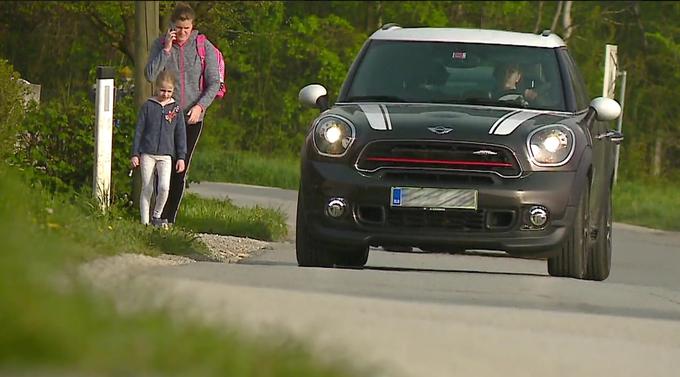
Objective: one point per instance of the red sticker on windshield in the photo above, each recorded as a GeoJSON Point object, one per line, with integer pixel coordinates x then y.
{"type": "Point", "coordinates": [459, 55]}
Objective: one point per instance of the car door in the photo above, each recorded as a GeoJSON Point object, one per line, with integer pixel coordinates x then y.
{"type": "Point", "coordinates": [602, 148]}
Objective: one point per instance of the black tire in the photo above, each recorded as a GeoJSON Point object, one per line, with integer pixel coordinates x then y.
{"type": "Point", "coordinates": [572, 258]}
{"type": "Point", "coordinates": [312, 253]}
{"type": "Point", "coordinates": [600, 259]}
{"type": "Point", "coordinates": [357, 257]}
{"type": "Point", "coordinates": [397, 248]}
{"type": "Point", "coordinates": [443, 250]}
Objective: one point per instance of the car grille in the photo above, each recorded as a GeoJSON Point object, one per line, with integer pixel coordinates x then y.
{"type": "Point", "coordinates": [416, 177]}
{"type": "Point", "coordinates": [450, 219]}
{"type": "Point", "coordinates": [390, 154]}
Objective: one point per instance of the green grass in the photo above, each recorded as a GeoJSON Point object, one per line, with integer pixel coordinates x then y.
{"type": "Point", "coordinates": [222, 217]}
{"type": "Point", "coordinates": [54, 325]}
{"type": "Point", "coordinates": [653, 204]}
{"type": "Point", "coordinates": [245, 167]}
{"type": "Point", "coordinates": [76, 217]}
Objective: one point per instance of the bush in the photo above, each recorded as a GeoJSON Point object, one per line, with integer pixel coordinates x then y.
{"type": "Point", "coordinates": [58, 142]}
{"type": "Point", "coordinates": [11, 100]}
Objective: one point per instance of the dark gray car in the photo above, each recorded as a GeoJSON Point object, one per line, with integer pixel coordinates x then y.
{"type": "Point", "coordinates": [457, 139]}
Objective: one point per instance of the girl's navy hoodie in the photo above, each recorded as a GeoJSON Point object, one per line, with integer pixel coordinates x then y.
{"type": "Point", "coordinates": [160, 130]}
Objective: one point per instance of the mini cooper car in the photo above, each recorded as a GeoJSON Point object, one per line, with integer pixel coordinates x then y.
{"type": "Point", "coordinates": [455, 139]}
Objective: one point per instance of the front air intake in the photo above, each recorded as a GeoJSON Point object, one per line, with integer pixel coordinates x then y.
{"type": "Point", "coordinates": [436, 155]}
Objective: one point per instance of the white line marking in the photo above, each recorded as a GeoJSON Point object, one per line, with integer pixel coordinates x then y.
{"type": "Point", "coordinates": [500, 120]}
{"type": "Point", "coordinates": [510, 124]}
{"type": "Point", "coordinates": [375, 117]}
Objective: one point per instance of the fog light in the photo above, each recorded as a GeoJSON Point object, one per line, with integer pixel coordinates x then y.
{"type": "Point", "coordinates": [336, 207]}
{"type": "Point", "coordinates": [538, 216]}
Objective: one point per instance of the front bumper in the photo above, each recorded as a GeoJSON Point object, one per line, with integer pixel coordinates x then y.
{"type": "Point", "coordinates": [500, 223]}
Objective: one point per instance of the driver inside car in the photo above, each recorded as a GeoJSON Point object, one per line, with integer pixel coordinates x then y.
{"type": "Point", "coordinates": [509, 86]}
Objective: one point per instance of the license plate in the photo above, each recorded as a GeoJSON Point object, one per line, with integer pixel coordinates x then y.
{"type": "Point", "coordinates": [433, 198]}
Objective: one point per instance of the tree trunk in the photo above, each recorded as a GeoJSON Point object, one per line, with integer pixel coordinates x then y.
{"type": "Point", "coordinates": [566, 20]}
{"type": "Point", "coordinates": [537, 27]}
{"type": "Point", "coordinates": [658, 153]}
{"type": "Point", "coordinates": [146, 30]}
{"type": "Point", "coordinates": [553, 27]}
{"type": "Point", "coordinates": [368, 18]}
{"type": "Point", "coordinates": [638, 18]}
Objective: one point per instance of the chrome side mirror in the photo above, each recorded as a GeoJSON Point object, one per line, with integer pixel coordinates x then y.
{"type": "Point", "coordinates": [605, 108]}
{"type": "Point", "coordinates": [314, 95]}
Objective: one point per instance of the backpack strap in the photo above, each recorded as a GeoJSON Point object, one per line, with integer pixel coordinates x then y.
{"type": "Point", "coordinates": [200, 48]}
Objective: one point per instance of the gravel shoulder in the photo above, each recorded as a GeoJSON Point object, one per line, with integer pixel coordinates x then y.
{"type": "Point", "coordinates": [117, 268]}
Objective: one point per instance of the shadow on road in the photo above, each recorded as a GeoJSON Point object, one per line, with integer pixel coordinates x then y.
{"type": "Point", "coordinates": [410, 269]}
{"type": "Point", "coordinates": [389, 268]}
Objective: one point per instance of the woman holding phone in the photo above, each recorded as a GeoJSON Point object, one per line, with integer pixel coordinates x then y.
{"type": "Point", "coordinates": [177, 52]}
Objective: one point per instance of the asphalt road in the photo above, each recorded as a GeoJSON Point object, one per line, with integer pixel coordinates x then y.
{"type": "Point", "coordinates": [481, 314]}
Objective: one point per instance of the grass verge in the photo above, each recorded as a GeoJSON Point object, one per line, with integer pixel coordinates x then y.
{"type": "Point", "coordinates": [245, 167]}
{"type": "Point", "coordinates": [653, 204]}
{"type": "Point", "coordinates": [222, 217]}
{"type": "Point", "coordinates": [66, 329]}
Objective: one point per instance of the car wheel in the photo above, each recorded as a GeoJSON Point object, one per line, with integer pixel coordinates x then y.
{"type": "Point", "coordinates": [571, 260]}
{"type": "Point", "coordinates": [312, 253]}
{"type": "Point", "coordinates": [600, 260]}
{"type": "Point", "coordinates": [397, 248]}
{"type": "Point", "coordinates": [446, 250]}
{"type": "Point", "coordinates": [357, 257]}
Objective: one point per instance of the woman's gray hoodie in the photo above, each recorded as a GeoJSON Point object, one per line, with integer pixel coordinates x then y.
{"type": "Point", "coordinates": [185, 63]}
{"type": "Point", "coordinates": [160, 130]}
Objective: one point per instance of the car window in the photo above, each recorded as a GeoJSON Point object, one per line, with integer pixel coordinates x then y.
{"type": "Point", "coordinates": [458, 73]}
{"type": "Point", "coordinates": [580, 91]}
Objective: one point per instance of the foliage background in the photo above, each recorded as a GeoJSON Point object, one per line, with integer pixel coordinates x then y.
{"type": "Point", "coordinates": [274, 48]}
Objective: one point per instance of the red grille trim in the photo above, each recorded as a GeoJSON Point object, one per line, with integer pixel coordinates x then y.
{"type": "Point", "coordinates": [442, 162]}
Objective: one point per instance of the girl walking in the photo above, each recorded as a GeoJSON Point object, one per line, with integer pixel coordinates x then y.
{"type": "Point", "coordinates": [160, 136]}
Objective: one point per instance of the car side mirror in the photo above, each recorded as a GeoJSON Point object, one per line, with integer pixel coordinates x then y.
{"type": "Point", "coordinates": [314, 95]}
{"type": "Point", "coordinates": [605, 108]}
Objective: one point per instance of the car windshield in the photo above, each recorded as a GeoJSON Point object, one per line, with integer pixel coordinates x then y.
{"type": "Point", "coordinates": [458, 73]}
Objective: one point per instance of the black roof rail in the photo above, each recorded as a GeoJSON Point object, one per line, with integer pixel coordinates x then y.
{"type": "Point", "coordinates": [389, 25]}
{"type": "Point", "coordinates": [546, 32]}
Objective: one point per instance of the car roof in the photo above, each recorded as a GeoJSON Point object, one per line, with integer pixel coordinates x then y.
{"type": "Point", "coordinates": [396, 33]}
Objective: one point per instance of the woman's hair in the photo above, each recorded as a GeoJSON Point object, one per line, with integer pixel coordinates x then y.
{"type": "Point", "coordinates": [182, 12]}
{"type": "Point", "coordinates": [166, 76]}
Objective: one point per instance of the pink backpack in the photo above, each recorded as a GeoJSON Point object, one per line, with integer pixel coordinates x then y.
{"type": "Point", "coordinates": [200, 46]}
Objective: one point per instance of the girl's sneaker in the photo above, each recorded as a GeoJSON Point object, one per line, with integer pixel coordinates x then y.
{"type": "Point", "coordinates": [157, 223]}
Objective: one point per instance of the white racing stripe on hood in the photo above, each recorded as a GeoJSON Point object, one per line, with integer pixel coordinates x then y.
{"type": "Point", "coordinates": [377, 116]}
{"type": "Point", "coordinates": [506, 124]}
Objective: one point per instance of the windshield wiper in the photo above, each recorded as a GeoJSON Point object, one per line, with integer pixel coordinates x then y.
{"type": "Point", "coordinates": [492, 102]}
{"type": "Point", "coordinates": [375, 98]}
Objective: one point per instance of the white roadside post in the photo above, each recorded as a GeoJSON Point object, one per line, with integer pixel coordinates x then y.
{"type": "Point", "coordinates": [611, 65]}
{"type": "Point", "coordinates": [619, 123]}
{"type": "Point", "coordinates": [611, 73]}
{"type": "Point", "coordinates": [103, 136]}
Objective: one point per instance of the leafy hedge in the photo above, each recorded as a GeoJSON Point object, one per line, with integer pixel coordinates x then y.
{"type": "Point", "coordinates": [58, 142]}
{"type": "Point", "coordinates": [11, 98]}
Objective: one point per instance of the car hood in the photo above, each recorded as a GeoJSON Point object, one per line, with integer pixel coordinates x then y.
{"type": "Point", "coordinates": [442, 121]}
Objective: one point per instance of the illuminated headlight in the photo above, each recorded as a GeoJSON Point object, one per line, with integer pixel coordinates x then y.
{"type": "Point", "coordinates": [333, 136]}
{"type": "Point", "coordinates": [551, 145]}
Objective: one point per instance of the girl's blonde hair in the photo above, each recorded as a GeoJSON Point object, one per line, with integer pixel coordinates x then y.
{"type": "Point", "coordinates": [166, 76]}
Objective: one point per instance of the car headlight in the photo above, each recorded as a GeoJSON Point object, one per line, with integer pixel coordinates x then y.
{"type": "Point", "coordinates": [551, 145]}
{"type": "Point", "coordinates": [333, 136]}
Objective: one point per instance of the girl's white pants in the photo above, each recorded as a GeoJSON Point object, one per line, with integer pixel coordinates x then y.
{"type": "Point", "coordinates": [163, 165]}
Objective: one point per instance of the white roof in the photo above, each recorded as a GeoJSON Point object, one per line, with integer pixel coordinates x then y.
{"type": "Point", "coordinates": [469, 36]}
